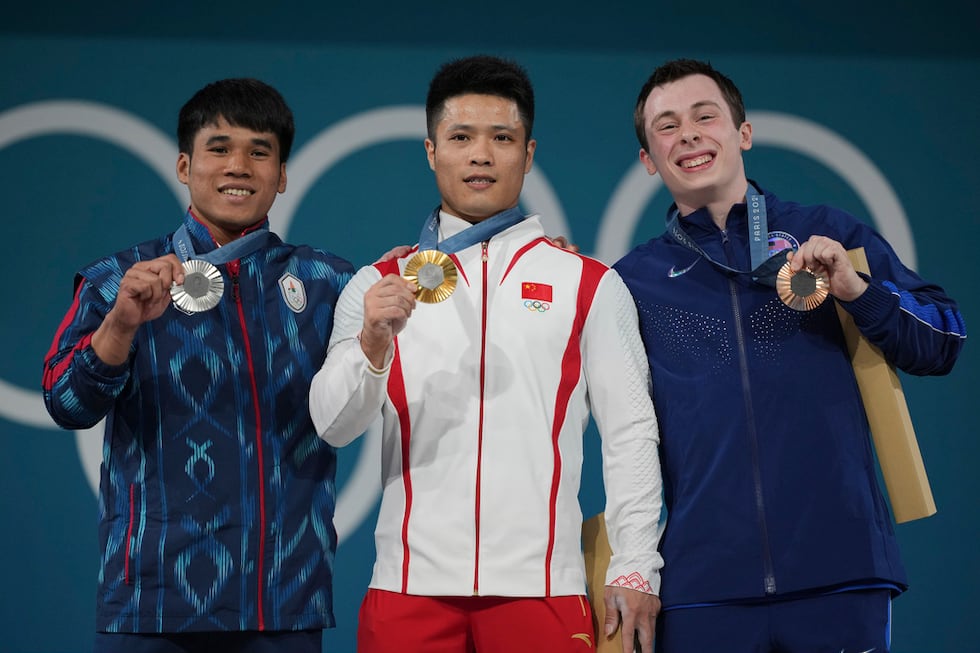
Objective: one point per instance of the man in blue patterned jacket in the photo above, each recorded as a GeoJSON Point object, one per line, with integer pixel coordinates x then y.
{"type": "Point", "coordinates": [216, 495]}
{"type": "Point", "coordinates": [778, 537]}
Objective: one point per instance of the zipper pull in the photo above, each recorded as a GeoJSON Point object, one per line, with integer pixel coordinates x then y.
{"type": "Point", "coordinates": [486, 243]}
{"type": "Point", "coordinates": [233, 267]}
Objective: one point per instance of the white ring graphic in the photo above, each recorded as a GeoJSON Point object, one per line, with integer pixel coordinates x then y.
{"type": "Point", "coordinates": [127, 132]}
{"type": "Point", "coordinates": [781, 130]}
{"type": "Point", "coordinates": [141, 139]}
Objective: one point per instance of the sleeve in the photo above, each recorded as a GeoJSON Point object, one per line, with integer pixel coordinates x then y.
{"type": "Point", "coordinates": [79, 389]}
{"type": "Point", "coordinates": [915, 324]}
{"type": "Point", "coordinates": [619, 390]}
{"type": "Point", "coordinates": [347, 393]}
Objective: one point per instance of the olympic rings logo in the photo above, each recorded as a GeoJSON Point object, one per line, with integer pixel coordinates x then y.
{"type": "Point", "coordinates": [619, 220]}
{"type": "Point", "coordinates": [536, 306]}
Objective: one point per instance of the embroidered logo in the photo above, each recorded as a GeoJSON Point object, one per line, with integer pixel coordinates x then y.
{"type": "Point", "coordinates": [293, 292]}
{"type": "Point", "coordinates": [536, 296]}
{"type": "Point", "coordinates": [674, 272]}
{"type": "Point", "coordinates": [585, 637]}
{"type": "Point", "coordinates": [780, 240]}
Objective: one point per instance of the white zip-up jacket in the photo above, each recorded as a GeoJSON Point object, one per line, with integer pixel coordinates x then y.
{"type": "Point", "coordinates": [485, 398]}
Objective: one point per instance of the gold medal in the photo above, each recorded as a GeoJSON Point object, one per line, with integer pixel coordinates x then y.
{"type": "Point", "coordinates": [803, 290]}
{"type": "Point", "coordinates": [202, 288]}
{"type": "Point", "coordinates": [434, 273]}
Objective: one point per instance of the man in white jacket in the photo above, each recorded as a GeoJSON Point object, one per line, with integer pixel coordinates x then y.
{"type": "Point", "coordinates": [484, 349]}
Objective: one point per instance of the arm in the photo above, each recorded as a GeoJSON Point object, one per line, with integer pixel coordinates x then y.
{"type": "Point", "coordinates": [619, 390]}
{"type": "Point", "coordinates": [916, 325]}
{"type": "Point", "coordinates": [350, 389]}
{"type": "Point", "coordinates": [89, 361]}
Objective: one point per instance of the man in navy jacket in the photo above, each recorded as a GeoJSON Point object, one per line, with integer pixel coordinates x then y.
{"type": "Point", "coordinates": [778, 537]}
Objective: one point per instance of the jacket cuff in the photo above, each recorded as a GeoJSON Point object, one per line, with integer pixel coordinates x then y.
{"type": "Point", "coordinates": [874, 304]}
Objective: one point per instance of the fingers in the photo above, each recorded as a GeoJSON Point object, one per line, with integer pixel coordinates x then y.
{"type": "Point", "coordinates": [820, 255]}
{"type": "Point", "coordinates": [563, 242]}
{"type": "Point", "coordinates": [611, 622]}
{"type": "Point", "coordinates": [387, 306]}
{"type": "Point", "coordinates": [827, 257]}
{"type": "Point", "coordinates": [144, 291]}
{"type": "Point", "coordinates": [392, 298]}
{"type": "Point", "coordinates": [638, 613]}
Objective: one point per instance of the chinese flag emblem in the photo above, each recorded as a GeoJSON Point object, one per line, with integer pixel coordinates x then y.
{"type": "Point", "coordinates": [539, 291]}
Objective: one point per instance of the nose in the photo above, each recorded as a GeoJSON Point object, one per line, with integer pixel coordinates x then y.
{"type": "Point", "coordinates": [238, 164]}
{"type": "Point", "coordinates": [480, 152]}
{"type": "Point", "coordinates": [690, 135]}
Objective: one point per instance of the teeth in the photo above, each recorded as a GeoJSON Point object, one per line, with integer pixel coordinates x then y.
{"type": "Point", "coordinates": [240, 192]}
{"type": "Point", "coordinates": [693, 163]}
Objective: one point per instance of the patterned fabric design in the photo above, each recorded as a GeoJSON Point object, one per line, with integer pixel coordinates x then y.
{"type": "Point", "coordinates": [200, 473]}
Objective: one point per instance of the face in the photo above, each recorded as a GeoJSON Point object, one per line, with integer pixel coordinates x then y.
{"type": "Point", "coordinates": [479, 156]}
{"type": "Point", "coordinates": [694, 143]}
{"type": "Point", "coordinates": [233, 176]}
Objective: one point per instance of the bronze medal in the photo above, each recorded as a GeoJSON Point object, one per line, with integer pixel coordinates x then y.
{"type": "Point", "coordinates": [803, 290]}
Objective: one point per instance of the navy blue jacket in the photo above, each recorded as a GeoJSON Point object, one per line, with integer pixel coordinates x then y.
{"type": "Point", "coordinates": [217, 497]}
{"type": "Point", "coordinates": [769, 476]}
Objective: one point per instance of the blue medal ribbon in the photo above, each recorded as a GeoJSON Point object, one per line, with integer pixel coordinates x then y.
{"type": "Point", "coordinates": [236, 249]}
{"type": "Point", "coordinates": [764, 267]}
{"type": "Point", "coordinates": [477, 233]}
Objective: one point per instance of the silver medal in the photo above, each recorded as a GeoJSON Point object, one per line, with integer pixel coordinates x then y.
{"type": "Point", "coordinates": [202, 288]}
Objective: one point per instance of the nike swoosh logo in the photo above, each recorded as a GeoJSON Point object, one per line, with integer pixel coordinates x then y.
{"type": "Point", "coordinates": [585, 637]}
{"type": "Point", "coordinates": [674, 272]}
{"type": "Point", "coordinates": [870, 650]}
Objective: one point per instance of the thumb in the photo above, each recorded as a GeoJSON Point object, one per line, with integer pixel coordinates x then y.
{"type": "Point", "coordinates": [612, 617]}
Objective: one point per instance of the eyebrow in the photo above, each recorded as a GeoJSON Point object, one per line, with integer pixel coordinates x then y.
{"type": "Point", "coordinates": [695, 106]}
{"type": "Point", "coordinates": [470, 127]}
{"type": "Point", "coordinates": [221, 138]}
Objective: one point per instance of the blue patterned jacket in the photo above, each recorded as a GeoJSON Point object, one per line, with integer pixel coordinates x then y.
{"type": "Point", "coordinates": [217, 497]}
{"type": "Point", "coordinates": [769, 475]}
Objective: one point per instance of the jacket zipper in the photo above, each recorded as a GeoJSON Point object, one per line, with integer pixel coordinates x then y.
{"type": "Point", "coordinates": [479, 441]}
{"type": "Point", "coordinates": [233, 268]}
{"type": "Point", "coordinates": [769, 579]}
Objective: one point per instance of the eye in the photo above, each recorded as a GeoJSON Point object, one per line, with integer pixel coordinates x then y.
{"type": "Point", "coordinates": [458, 137]}
{"type": "Point", "coordinates": [667, 126]}
{"type": "Point", "coordinates": [218, 149]}
{"type": "Point", "coordinates": [260, 154]}
{"type": "Point", "coordinates": [705, 116]}
{"type": "Point", "coordinates": [504, 137]}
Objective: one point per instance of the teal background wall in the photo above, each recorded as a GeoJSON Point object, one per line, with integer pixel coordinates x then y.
{"type": "Point", "coordinates": [871, 109]}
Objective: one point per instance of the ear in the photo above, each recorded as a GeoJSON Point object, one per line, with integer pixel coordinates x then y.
{"type": "Point", "coordinates": [430, 153]}
{"type": "Point", "coordinates": [647, 162]}
{"type": "Point", "coordinates": [282, 178]}
{"type": "Point", "coordinates": [745, 133]}
{"type": "Point", "coordinates": [183, 167]}
{"type": "Point", "coordinates": [532, 145]}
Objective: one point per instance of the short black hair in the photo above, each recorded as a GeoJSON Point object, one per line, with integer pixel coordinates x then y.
{"type": "Point", "coordinates": [676, 69]}
{"type": "Point", "coordinates": [481, 75]}
{"type": "Point", "coordinates": [242, 102]}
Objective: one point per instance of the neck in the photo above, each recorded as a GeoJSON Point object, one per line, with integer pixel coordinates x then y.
{"type": "Point", "coordinates": [718, 208]}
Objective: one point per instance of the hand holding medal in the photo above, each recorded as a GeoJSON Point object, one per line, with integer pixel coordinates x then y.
{"type": "Point", "coordinates": [823, 267]}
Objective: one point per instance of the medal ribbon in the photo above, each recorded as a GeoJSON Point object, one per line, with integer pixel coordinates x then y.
{"type": "Point", "coordinates": [236, 249]}
{"type": "Point", "coordinates": [764, 267]}
{"type": "Point", "coordinates": [481, 231]}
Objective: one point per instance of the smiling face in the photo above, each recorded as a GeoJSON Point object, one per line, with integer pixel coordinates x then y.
{"type": "Point", "coordinates": [480, 156]}
{"type": "Point", "coordinates": [695, 145]}
{"type": "Point", "coordinates": [233, 176]}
